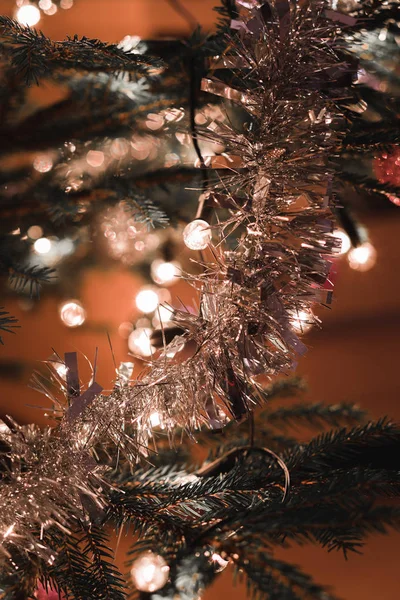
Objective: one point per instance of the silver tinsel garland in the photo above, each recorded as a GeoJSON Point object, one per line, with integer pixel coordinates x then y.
{"type": "Point", "coordinates": [278, 197]}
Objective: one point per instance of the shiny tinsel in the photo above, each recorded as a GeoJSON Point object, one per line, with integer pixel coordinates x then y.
{"type": "Point", "coordinates": [285, 76]}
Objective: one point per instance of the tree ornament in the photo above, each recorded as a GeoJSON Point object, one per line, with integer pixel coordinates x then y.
{"type": "Point", "coordinates": [387, 170]}
{"type": "Point", "coordinates": [149, 572]}
{"type": "Point", "coordinates": [197, 235]}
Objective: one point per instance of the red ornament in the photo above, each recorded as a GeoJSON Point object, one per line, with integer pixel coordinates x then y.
{"type": "Point", "coordinates": [387, 170]}
{"type": "Point", "coordinates": [49, 594]}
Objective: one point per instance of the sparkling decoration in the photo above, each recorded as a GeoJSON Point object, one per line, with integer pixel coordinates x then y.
{"type": "Point", "coordinates": [28, 14]}
{"type": "Point", "coordinates": [139, 341]}
{"type": "Point", "coordinates": [72, 313]}
{"type": "Point", "coordinates": [165, 273]}
{"type": "Point", "coordinates": [147, 300]}
{"type": "Point", "coordinates": [197, 235]}
{"type": "Point", "coordinates": [126, 239]}
{"type": "Point", "coordinates": [149, 572]}
{"type": "Point", "coordinates": [387, 170]}
{"type": "Point", "coordinates": [42, 246]}
{"type": "Point", "coordinates": [277, 200]}
{"type": "Point", "coordinates": [219, 563]}
{"type": "Point", "coordinates": [362, 258]}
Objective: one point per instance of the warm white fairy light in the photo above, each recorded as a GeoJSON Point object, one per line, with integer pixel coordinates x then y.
{"type": "Point", "coordinates": [345, 241]}
{"type": "Point", "coordinates": [42, 245]}
{"type": "Point", "coordinates": [72, 313]}
{"type": "Point", "coordinates": [362, 258]}
{"type": "Point", "coordinates": [147, 300]}
{"type": "Point", "coordinates": [197, 235]}
{"type": "Point", "coordinates": [149, 572]}
{"type": "Point", "coordinates": [35, 232]}
{"type": "Point", "coordinates": [95, 158]}
{"type": "Point", "coordinates": [139, 341]}
{"type": "Point", "coordinates": [155, 419]}
{"type": "Point", "coordinates": [43, 163]}
{"type": "Point", "coordinates": [302, 321]}
{"type": "Point", "coordinates": [28, 15]}
{"type": "Point", "coordinates": [164, 272]}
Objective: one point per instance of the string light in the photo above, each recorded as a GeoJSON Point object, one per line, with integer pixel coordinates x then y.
{"type": "Point", "coordinates": [72, 313]}
{"type": "Point", "coordinates": [35, 232]}
{"type": "Point", "coordinates": [302, 321]}
{"type": "Point", "coordinates": [165, 273]}
{"type": "Point", "coordinates": [147, 300]}
{"type": "Point", "coordinates": [139, 341]}
{"type": "Point", "coordinates": [42, 245]}
{"type": "Point", "coordinates": [43, 163]}
{"type": "Point", "coordinates": [95, 158]}
{"type": "Point", "coordinates": [345, 240]}
{"type": "Point", "coordinates": [155, 419]}
{"type": "Point", "coordinates": [197, 235]}
{"type": "Point", "coordinates": [28, 15]}
{"type": "Point", "coordinates": [149, 572]}
{"type": "Point", "coordinates": [362, 258]}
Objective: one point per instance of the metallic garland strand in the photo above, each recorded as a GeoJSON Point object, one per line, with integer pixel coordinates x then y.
{"type": "Point", "coordinates": [285, 76]}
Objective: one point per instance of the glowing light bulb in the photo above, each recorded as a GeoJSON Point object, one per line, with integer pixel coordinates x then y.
{"type": "Point", "coordinates": [42, 246]}
{"type": "Point", "coordinates": [155, 419]}
{"type": "Point", "coordinates": [165, 273]}
{"type": "Point", "coordinates": [345, 240]}
{"type": "Point", "coordinates": [72, 313]}
{"type": "Point", "coordinates": [139, 341]}
{"type": "Point", "coordinates": [362, 258]}
{"type": "Point", "coordinates": [147, 300]}
{"type": "Point", "coordinates": [149, 572]}
{"type": "Point", "coordinates": [95, 158]}
{"type": "Point", "coordinates": [35, 232]}
{"type": "Point", "coordinates": [197, 235]}
{"type": "Point", "coordinates": [302, 321]}
{"type": "Point", "coordinates": [28, 15]}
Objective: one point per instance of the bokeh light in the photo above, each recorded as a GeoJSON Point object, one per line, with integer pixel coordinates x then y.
{"type": "Point", "coordinates": [72, 313]}
{"type": "Point", "coordinates": [28, 15]}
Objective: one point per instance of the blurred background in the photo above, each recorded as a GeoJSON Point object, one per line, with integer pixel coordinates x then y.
{"type": "Point", "coordinates": [353, 357]}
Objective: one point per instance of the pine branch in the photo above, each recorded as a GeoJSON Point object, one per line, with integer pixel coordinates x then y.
{"type": "Point", "coordinates": [316, 415]}
{"type": "Point", "coordinates": [33, 55]}
{"type": "Point", "coordinates": [7, 322]}
{"type": "Point", "coordinates": [272, 579]}
{"type": "Point", "coordinates": [30, 278]}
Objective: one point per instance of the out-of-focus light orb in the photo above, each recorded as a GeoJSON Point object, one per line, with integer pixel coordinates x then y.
{"type": "Point", "coordinates": [42, 245]}
{"type": "Point", "coordinates": [28, 15]}
{"type": "Point", "coordinates": [72, 313]}
{"type": "Point", "coordinates": [35, 232]}
{"type": "Point", "coordinates": [302, 321]}
{"type": "Point", "coordinates": [139, 341]}
{"type": "Point", "coordinates": [43, 163]}
{"type": "Point", "coordinates": [165, 273]}
{"type": "Point", "coordinates": [125, 329]}
{"type": "Point", "coordinates": [345, 240]}
{"type": "Point", "coordinates": [155, 419]}
{"type": "Point", "coordinates": [163, 315]}
{"type": "Point", "coordinates": [95, 158]}
{"type": "Point", "coordinates": [149, 572]}
{"type": "Point", "coordinates": [219, 563]}
{"type": "Point", "coordinates": [119, 148]}
{"type": "Point", "coordinates": [362, 258]}
{"type": "Point", "coordinates": [147, 300]}
{"type": "Point", "coordinates": [66, 4]}
{"type": "Point", "coordinates": [197, 235]}
{"type": "Point", "coordinates": [51, 10]}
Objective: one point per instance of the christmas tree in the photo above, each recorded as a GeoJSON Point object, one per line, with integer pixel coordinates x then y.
{"type": "Point", "coordinates": [224, 160]}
